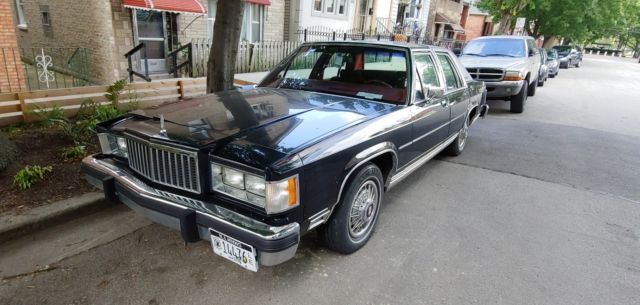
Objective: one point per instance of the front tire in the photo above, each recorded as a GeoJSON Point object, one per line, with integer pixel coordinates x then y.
{"type": "Point", "coordinates": [352, 224]}
{"type": "Point", "coordinates": [518, 100]}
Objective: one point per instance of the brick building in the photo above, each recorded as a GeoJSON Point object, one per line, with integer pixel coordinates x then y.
{"type": "Point", "coordinates": [477, 24]}
{"type": "Point", "coordinates": [110, 28]}
{"type": "Point", "coordinates": [11, 74]}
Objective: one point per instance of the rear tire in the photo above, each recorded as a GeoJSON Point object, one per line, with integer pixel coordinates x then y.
{"type": "Point", "coordinates": [518, 100]}
{"type": "Point", "coordinates": [354, 220]}
{"type": "Point", "coordinates": [531, 91]}
{"type": "Point", "coordinates": [541, 83]}
{"type": "Point", "coordinates": [457, 146]}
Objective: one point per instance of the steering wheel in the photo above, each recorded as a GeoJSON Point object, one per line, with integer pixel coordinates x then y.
{"type": "Point", "coordinates": [377, 82]}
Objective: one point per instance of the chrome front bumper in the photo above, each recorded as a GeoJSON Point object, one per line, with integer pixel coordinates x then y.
{"type": "Point", "coordinates": [503, 88]}
{"type": "Point", "coordinates": [191, 217]}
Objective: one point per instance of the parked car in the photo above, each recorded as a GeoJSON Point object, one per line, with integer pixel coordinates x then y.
{"type": "Point", "coordinates": [569, 56]}
{"type": "Point", "coordinates": [552, 63]}
{"type": "Point", "coordinates": [314, 146]}
{"type": "Point", "coordinates": [543, 75]}
{"type": "Point", "coordinates": [509, 66]}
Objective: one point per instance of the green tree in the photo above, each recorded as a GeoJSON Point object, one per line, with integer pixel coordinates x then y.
{"type": "Point", "coordinates": [221, 66]}
{"type": "Point", "coordinates": [504, 11]}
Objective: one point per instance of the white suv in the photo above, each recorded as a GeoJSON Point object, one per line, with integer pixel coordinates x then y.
{"type": "Point", "coordinates": [508, 65]}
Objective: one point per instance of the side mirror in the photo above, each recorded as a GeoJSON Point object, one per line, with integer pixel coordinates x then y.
{"type": "Point", "coordinates": [532, 52]}
{"type": "Point", "coordinates": [435, 92]}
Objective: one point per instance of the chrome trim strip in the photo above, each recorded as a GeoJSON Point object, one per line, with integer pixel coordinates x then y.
{"type": "Point", "coordinates": [431, 131]}
{"type": "Point", "coordinates": [319, 218]}
{"type": "Point", "coordinates": [424, 135]}
{"type": "Point", "coordinates": [465, 113]}
{"type": "Point", "coordinates": [344, 181]}
{"type": "Point", "coordinates": [419, 161]}
{"type": "Point", "coordinates": [217, 213]}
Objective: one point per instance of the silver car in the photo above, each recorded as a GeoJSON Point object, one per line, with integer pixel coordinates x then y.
{"type": "Point", "coordinates": [553, 63]}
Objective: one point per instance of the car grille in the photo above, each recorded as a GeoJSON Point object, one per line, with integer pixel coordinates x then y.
{"type": "Point", "coordinates": [486, 74]}
{"type": "Point", "coordinates": [165, 165]}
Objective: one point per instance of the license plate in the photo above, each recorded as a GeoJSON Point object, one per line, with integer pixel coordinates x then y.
{"type": "Point", "coordinates": [234, 250]}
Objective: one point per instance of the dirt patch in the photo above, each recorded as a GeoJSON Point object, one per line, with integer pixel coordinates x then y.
{"type": "Point", "coordinates": [42, 146]}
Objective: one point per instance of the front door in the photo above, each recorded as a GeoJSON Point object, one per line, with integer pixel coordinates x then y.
{"type": "Point", "coordinates": [151, 32]}
{"type": "Point", "coordinates": [430, 116]}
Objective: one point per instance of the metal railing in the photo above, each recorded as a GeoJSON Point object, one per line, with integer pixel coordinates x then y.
{"type": "Point", "coordinates": [188, 63]}
{"type": "Point", "coordinates": [43, 68]}
{"type": "Point", "coordinates": [129, 55]}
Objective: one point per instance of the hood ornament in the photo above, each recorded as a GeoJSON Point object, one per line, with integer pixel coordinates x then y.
{"type": "Point", "coordinates": [162, 130]}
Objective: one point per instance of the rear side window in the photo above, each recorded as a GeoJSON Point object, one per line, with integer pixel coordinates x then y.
{"type": "Point", "coordinates": [451, 76]}
{"type": "Point", "coordinates": [427, 71]}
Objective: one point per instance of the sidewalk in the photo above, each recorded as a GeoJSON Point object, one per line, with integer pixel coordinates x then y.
{"type": "Point", "coordinates": [254, 77]}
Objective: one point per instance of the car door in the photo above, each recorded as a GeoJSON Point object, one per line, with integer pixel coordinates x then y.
{"type": "Point", "coordinates": [456, 91]}
{"type": "Point", "coordinates": [430, 114]}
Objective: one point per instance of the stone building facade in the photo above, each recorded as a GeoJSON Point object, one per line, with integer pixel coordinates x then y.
{"type": "Point", "coordinates": [110, 28]}
{"type": "Point", "coordinates": [11, 75]}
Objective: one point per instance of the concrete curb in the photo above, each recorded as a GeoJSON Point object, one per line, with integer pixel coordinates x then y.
{"type": "Point", "coordinates": [12, 226]}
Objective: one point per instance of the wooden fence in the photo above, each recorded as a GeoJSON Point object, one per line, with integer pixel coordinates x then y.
{"type": "Point", "coordinates": [252, 56]}
{"type": "Point", "coordinates": [19, 107]}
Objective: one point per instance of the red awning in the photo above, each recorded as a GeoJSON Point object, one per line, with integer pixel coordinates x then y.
{"type": "Point", "coordinates": [262, 2]}
{"type": "Point", "coordinates": [174, 6]}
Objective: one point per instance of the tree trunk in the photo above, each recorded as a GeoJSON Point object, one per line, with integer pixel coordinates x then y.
{"type": "Point", "coordinates": [550, 42]}
{"type": "Point", "coordinates": [505, 24]}
{"type": "Point", "coordinates": [221, 66]}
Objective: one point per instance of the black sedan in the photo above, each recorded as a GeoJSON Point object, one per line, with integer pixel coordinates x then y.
{"type": "Point", "coordinates": [314, 146]}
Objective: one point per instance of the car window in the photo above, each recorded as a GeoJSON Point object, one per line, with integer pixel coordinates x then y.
{"type": "Point", "coordinates": [452, 79]}
{"type": "Point", "coordinates": [336, 63]}
{"type": "Point", "coordinates": [427, 70]}
{"type": "Point", "coordinates": [532, 45]}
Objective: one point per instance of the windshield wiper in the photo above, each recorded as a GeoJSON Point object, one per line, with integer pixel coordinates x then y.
{"type": "Point", "coordinates": [473, 54]}
{"type": "Point", "coordinates": [505, 55]}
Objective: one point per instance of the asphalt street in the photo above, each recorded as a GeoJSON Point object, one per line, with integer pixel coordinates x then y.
{"type": "Point", "coordinates": [541, 208]}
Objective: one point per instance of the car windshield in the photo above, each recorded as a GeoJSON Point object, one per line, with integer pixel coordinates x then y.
{"type": "Point", "coordinates": [375, 73]}
{"type": "Point", "coordinates": [562, 49]}
{"type": "Point", "coordinates": [495, 47]}
{"type": "Point", "coordinates": [552, 54]}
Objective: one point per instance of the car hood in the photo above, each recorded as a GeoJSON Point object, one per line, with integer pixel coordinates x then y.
{"type": "Point", "coordinates": [501, 62]}
{"type": "Point", "coordinates": [261, 120]}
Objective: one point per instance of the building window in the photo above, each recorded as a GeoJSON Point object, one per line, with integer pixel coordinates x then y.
{"type": "Point", "coordinates": [252, 23]}
{"type": "Point", "coordinates": [22, 22]}
{"type": "Point", "coordinates": [211, 16]}
{"type": "Point", "coordinates": [342, 7]}
{"type": "Point", "coordinates": [46, 19]}
{"type": "Point", "coordinates": [330, 7]}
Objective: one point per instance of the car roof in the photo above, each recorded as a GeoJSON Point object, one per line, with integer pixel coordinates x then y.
{"type": "Point", "coordinates": [397, 44]}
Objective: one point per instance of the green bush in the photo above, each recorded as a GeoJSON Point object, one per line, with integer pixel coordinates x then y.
{"type": "Point", "coordinates": [49, 117]}
{"type": "Point", "coordinates": [74, 152]}
{"type": "Point", "coordinates": [8, 152]}
{"type": "Point", "coordinates": [29, 175]}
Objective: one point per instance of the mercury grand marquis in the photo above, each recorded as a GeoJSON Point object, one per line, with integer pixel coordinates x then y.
{"type": "Point", "coordinates": [314, 146]}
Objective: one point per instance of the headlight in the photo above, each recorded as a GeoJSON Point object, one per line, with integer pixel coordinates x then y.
{"type": "Point", "coordinates": [274, 197]}
{"type": "Point", "coordinates": [233, 178]}
{"type": "Point", "coordinates": [513, 76]}
{"type": "Point", "coordinates": [112, 144]}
